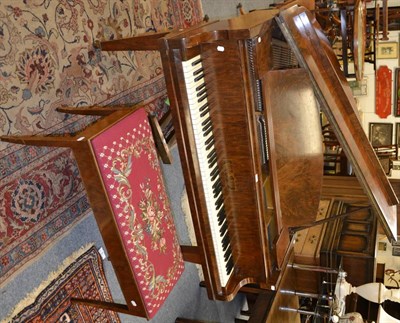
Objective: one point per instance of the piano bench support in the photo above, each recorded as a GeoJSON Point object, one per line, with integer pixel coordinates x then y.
{"type": "Point", "coordinates": [191, 254]}
{"type": "Point", "coordinates": [96, 110]}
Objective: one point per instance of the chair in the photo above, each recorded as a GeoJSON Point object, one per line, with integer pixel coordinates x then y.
{"type": "Point", "coordinates": [335, 160]}
{"type": "Point", "coordinates": [345, 21]}
{"type": "Point", "coordinates": [386, 154]}
{"type": "Point", "coordinates": [118, 164]}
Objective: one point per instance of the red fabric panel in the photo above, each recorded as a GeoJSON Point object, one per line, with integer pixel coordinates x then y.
{"type": "Point", "coordinates": [131, 172]}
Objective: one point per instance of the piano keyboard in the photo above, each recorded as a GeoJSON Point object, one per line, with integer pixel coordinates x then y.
{"type": "Point", "coordinates": [207, 157]}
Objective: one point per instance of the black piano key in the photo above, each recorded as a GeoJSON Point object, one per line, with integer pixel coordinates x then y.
{"type": "Point", "coordinates": [207, 125]}
{"type": "Point", "coordinates": [212, 158]}
{"type": "Point", "coordinates": [206, 111]}
{"type": "Point", "coordinates": [229, 265]}
{"type": "Point", "coordinates": [217, 191]}
{"type": "Point", "coordinates": [198, 71]}
{"type": "Point", "coordinates": [227, 254]}
{"type": "Point", "coordinates": [221, 216]}
{"type": "Point", "coordinates": [201, 99]}
{"type": "Point", "coordinates": [223, 229]}
{"type": "Point", "coordinates": [219, 201]}
{"type": "Point", "coordinates": [217, 188]}
{"type": "Point", "coordinates": [210, 144]}
{"type": "Point", "coordinates": [225, 242]}
{"type": "Point", "coordinates": [214, 174]}
{"type": "Point", "coordinates": [198, 88]}
{"type": "Point", "coordinates": [207, 132]}
{"type": "Point", "coordinates": [205, 105]}
{"type": "Point", "coordinates": [217, 183]}
{"type": "Point", "coordinates": [200, 93]}
{"type": "Point", "coordinates": [213, 162]}
{"type": "Point", "coordinates": [208, 120]}
{"type": "Point", "coordinates": [213, 152]}
{"type": "Point", "coordinates": [196, 62]}
{"type": "Point", "coordinates": [198, 78]}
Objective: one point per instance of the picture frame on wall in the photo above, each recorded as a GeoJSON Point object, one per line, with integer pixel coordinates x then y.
{"type": "Point", "coordinates": [359, 88]}
{"type": "Point", "coordinates": [380, 134]}
{"type": "Point", "coordinates": [387, 50]}
{"type": "Point", "coordinates": [397, 138]}
{"type": "Point", "coordinates": [396, 93]}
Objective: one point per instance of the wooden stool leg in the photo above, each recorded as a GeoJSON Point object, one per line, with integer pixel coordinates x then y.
{"type": "Point", "coordinates": [45, 141]}
{"type": "Point", "coordinates": [148, 41]}
{"type": "Point", "coordinates": [97, 110]}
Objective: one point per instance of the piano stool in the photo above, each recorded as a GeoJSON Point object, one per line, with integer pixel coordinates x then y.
{"type": "Point", "coordinates": [118, 164]}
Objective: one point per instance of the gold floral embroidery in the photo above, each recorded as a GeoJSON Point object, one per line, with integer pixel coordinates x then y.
{"type": "Point", "coordinates": [154, 211]}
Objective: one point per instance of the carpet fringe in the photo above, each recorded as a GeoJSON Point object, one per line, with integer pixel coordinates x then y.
{"type": "Point", "coordinates": [40, 253]}
{"type": "Point", "coordinates": [30, 297]}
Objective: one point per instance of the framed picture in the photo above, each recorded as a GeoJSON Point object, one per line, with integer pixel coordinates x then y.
{"type": "Point", "coordinates": [382, 246]}
{"type": "Point", "coordinates": [380, 134]}
{"type": "Point", "coordinates": [359, 88]}
{"type": "Point", "coordinates": [396, 93]}
{"type": "Point", "coordinates": [397, 134]}
{"type": "Point", "coordinates": [396, 251]}
{"type": "Point", "coordinates": [396, 243]}
{"type": "Point", "coordinates": [387, 50]}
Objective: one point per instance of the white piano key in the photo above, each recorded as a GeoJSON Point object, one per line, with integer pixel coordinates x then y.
{"type": "Point", "coordinates": [201, 142]}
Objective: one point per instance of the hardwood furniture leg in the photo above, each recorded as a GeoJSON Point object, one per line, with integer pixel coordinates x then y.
{"type": "Point", "coordinates": [148, 41]}
{"type": "Point", "coordinates": [161, 144]}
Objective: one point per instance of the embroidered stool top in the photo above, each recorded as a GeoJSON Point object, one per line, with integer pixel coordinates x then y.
{"type": "Point", "coordinates": [128, 163]}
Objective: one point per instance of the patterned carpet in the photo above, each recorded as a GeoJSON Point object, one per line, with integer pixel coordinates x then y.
{"type": "Point", "coordinates": [47, 60]}
{"type": "Point", "coordinates": [81, 276]}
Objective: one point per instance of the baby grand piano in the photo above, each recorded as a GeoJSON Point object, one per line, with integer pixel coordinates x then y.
{"type": "Point", "coordinates": [248, 130]}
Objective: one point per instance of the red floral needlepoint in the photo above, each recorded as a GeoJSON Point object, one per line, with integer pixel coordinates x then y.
{"type": "Point", "coordinates": [131, 173]}
{"type": "Point", "coordinates": [383, 92]}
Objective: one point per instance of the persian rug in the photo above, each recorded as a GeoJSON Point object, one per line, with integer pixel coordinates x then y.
{"type": "Point", "coordinates": [81, 275]}
{"type": "Point", "coordinates": [47, 60]}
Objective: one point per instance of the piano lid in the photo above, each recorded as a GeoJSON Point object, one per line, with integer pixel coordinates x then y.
{"type": "Point", "coordinates": [334, 95]}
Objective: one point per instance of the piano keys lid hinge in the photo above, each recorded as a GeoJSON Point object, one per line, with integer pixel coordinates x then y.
{"type": "Point", "coordinates": [258, 100]}
{"type": "Point", "coordinates": [263, 139]}
{"type": "Point", "coordinates": [259, 97]}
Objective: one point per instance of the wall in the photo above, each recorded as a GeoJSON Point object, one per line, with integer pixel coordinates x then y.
{"type": "Point", "coordinates": [223, 9]}
{"type": "Point", "coordinates": [366, 104]}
